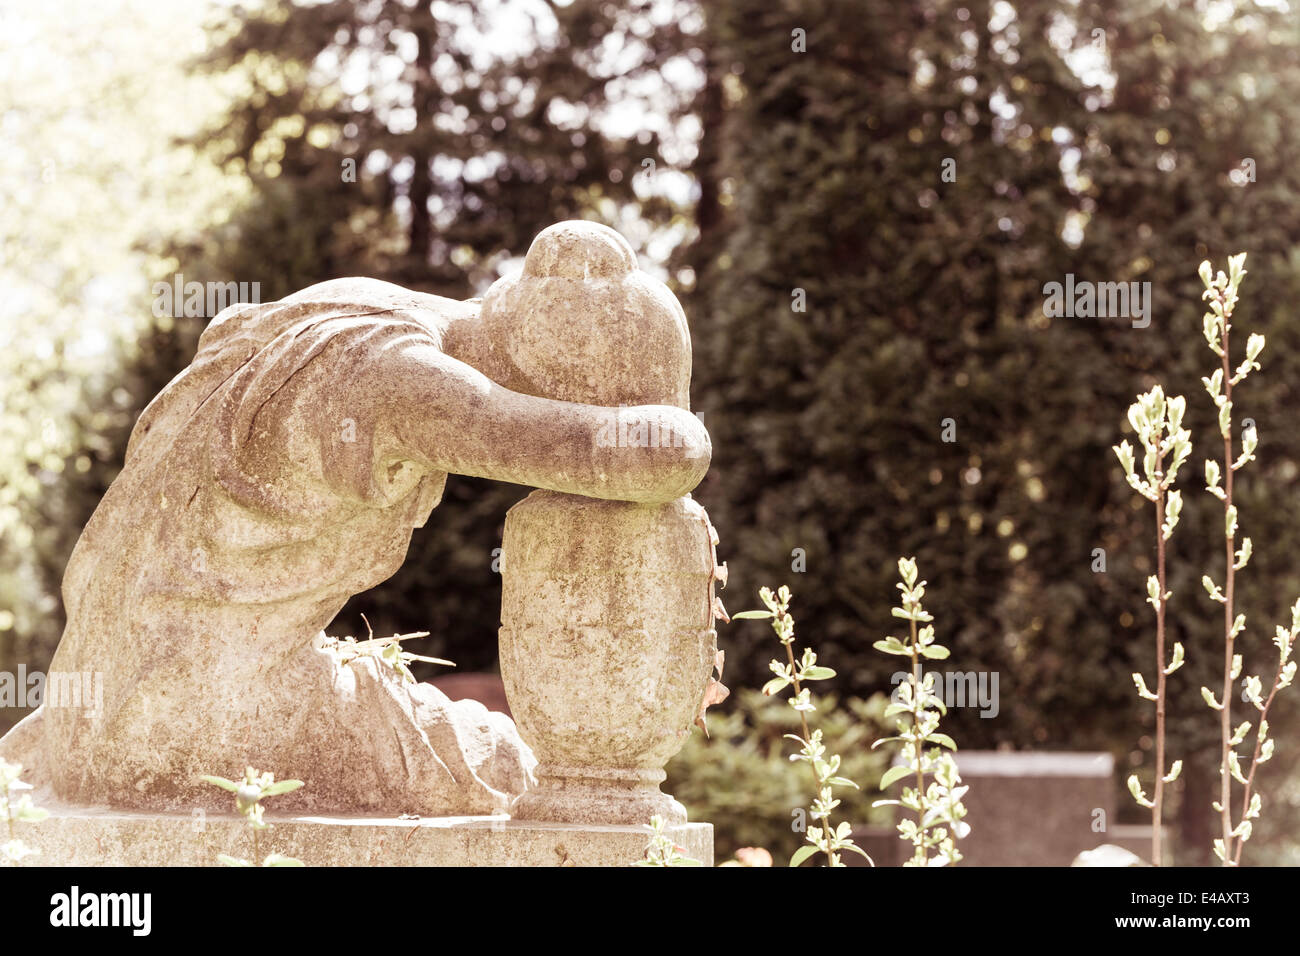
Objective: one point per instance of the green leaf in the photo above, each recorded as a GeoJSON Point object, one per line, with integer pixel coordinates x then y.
{"type": "Point", "coordinates": [907, 570]}
{"type": "Point", "coordinates": [275, 859]}
{"type": "Point", "coordinates": [775, 686]}
{"type": "Point", "coordinates": [1234, 767]}
{"type": "Point", "coordinates": [942, 739]}
{"type": "Point", "coordinates": [892, 646]}
{"type": "Point", "coordinates": [1142, 688]}
{"type": "Point", "coordinates": [221, 782]}
{"type": "Point", "coordinates": [282, 786]}
{"type": "Point", "coordinates": [935, 652]}
{"type": "Point", "coordinates": [892, 775]}
{"type": "Point", "coordinates": [408, 656]}
{"type": "Point", "coordinates": [751, 615]}
{"type": "Point", "coordinates": [818, 673]}
{"type": "Point", "coordinates": [858, 850]}
{"type": "Point", "coordinates": [1135, 788]}
{"type": "Point", "coordinates": [802, 854]}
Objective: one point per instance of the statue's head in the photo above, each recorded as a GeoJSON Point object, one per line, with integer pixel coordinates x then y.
{"type": "Point", "coordinates": [583, 324]}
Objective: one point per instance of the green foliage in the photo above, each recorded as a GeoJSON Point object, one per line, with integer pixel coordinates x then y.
{"type": "Point", "coordinates": [938, 807]}
{"type": "Point", "coordinates": [15, 810]}
{"type": "Point", "coordinates": [741, 780]}
{"type": "Point", "coordinates": [1158, 424]}
{"type": "Point", "coordinates": [431, 175]}
{"type": "Point", "coordinates": [925, 303]}
{"type": "Point", "coordinates": [661, 850]}
{"type": "Point", "coordinates": [386, 650]}
{"type": "Point", "coordinates": [91, 178]}
{"type": "Point", "coordinates": [821, 836]}
{"type": "Point", "coordinates": [249, 794]}
{"type": "Point", "coordinates": [1222, 293]}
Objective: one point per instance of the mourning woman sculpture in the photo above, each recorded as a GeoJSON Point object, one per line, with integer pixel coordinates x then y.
{"type": "Point", "coordinates": [284, 470]}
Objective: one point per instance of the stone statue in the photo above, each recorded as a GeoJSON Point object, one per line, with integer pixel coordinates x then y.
{"type": "Point", "coordinates": [284, 470]}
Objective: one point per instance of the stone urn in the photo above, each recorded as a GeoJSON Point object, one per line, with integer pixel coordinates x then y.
{"type": "Point", "coordinates": [607, 646]}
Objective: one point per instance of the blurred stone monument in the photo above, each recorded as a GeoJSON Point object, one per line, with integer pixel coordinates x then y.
{"type": "Point", "coordinates": [1032, 808]}
{"type": "Point", "coordinates": [1042, 808]}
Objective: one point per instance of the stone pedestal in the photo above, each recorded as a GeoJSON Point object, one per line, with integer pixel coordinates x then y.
{"type": "Point", "coordinates": [607, 645]}
{"type": "Point", "coordinates": [81, 836]}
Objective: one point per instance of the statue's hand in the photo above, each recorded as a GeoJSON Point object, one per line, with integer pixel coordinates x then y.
{"type": "Point", "coordinates": [650, 453]}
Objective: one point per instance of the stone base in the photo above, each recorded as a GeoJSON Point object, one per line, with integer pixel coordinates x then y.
{"type": "Point", "coordinates": [617, 797]}
{"type": "Point", "coordinates": [90, 836]}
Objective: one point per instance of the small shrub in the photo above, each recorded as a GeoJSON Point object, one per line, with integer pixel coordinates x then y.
{"type": "Point", "coordinates": [742, 780]}
{"type": "Point", "coordinates": [938, 807]}
{"type": "Point", "coordinates": [249, 794]}
{"type": "Point", "coordinates": [16, 810]}
{"type": "Point", "coordinates": [662, 851]}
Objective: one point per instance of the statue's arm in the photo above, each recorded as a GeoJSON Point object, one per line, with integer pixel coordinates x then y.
{"type": "Point", "coordinates": [448, 416]}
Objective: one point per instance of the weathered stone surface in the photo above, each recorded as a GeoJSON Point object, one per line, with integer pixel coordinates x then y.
{"type": "Point", "coordinates": [284, 470]}
{"type": "Point", "coordinates": [79, 836]}
{"type": "Point", "coordinates": [607, 641]}
{"type": "Point", "coordinates": [607, 645]}
{"type": "Point", "coordinates": [624, 334]}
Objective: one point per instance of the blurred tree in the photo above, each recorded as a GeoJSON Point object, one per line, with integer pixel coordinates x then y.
{"type": "Point", "coordinates": [1185, 157]}
{"type": "Point", "coordinates": [880, 377]}
{"type": "Point", "coordinates": [88, 178]}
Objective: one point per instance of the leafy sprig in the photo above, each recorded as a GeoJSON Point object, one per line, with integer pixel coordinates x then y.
{"type": "Point", "coordinates": [249, 794]}
{"type": "Point", "coordinates": [1166, 446]}
{"type": "Point", "coordinates": [15, 810]}
{"type": "Point", "coordinates": [1222, 293]}
{"type": "Point", "coordinates": [794, 672]}
{"type": "Point", "coordinates": [663, 850]}
{"type": "Point", "coordinates": [924, 750]}
{"type": "Point", "coordinates": [387, 650]}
